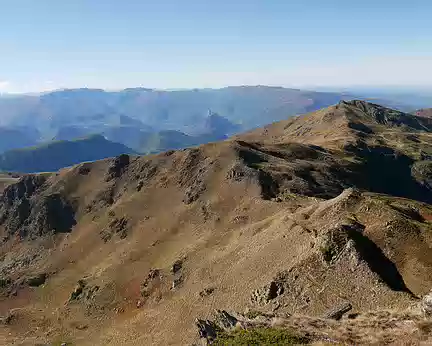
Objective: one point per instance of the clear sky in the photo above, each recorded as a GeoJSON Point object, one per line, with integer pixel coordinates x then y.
{"type": "Point", "coordinates": [113, 44]}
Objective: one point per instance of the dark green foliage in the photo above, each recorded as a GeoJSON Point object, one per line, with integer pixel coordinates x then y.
{"type": "Point", "coordinates": [259, 337]}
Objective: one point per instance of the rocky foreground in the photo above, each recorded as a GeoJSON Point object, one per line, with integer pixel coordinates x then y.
{"type": "Point", "coordinates": [408, 327]}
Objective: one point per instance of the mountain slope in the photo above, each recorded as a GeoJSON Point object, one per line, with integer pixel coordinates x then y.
{"type": "Point", "coordinates": [292, 218]}
{"type": "Point", "coordinates": [55, 155]}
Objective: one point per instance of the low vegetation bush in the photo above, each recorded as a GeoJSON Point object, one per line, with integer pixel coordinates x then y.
{"type": "Point", "coordinates": [259, 337]}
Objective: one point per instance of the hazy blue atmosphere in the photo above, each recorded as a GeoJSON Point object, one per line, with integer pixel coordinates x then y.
{"type": "Point", "coordinates": [50, 44]}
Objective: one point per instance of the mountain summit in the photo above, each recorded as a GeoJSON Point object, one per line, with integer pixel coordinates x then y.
{"type": "Point", "coordinates": [303, 216]}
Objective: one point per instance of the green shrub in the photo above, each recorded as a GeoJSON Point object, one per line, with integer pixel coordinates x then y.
{"type": "Point", "coordinates": [259, 337]}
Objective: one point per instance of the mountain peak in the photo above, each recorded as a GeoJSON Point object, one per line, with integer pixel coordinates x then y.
{"type": "Point", "coordinates": [216, 123]}
{"type": "Point", "coordinates": [371, 112]}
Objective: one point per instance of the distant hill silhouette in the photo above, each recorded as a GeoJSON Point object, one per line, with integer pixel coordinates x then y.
{"type": "Point", "coordinates": [58, 154]}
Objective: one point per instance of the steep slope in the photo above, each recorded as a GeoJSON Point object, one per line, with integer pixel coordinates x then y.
{"type": "Point", "coordinates": [55, 155]}
{"type": "Point", "coordinates": [291, 218]}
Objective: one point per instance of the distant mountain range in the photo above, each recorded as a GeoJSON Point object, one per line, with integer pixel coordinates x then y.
{"type": "Point", "coordinates": [58, 154]}
{"type": "Point", "coordinates": [147, 120]}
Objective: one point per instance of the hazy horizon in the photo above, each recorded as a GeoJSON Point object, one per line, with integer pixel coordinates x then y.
{"type": "Point", "coordinates": [375, 90]}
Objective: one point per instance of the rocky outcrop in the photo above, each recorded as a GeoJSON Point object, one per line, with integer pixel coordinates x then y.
{"type": "Point", "coordinates": [117, 226]}
{"type": "Point", "coordinates": [150, 283]}
{"type": "Point", "coordinates": [372, 328]}
{"type": "Point", "coordinates": [26, 211]}
{"type": "Point", "coordinates": [209, 330]}
{"type": "Point", "coordinates": [426, 305]}
{"type": "Point", "coordinates": [83, 292]}
{"type": "Point", "coordinates": [37, 280]}
{"type": "Point", "coordinates": [51, 213]}
{"type": "Point", "coordinates": [269, 292]}
{"type": "Point", "coordinates": [386, 116]}
{"type": "Point", "coordinates": [337, 312]}
{"type": "Point", "coordinates": [118, 166]}
{"type": "Point", "coordinates": [24, 188]}
{"type": "Point", "coordinates": [422, 172]}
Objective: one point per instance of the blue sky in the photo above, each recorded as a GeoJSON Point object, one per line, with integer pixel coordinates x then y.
{"type": "Point", "coordinates": [113, 44]}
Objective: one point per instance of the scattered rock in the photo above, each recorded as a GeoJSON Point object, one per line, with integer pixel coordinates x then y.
{"type": "Point", "coordinates": [78, 290]}
{"type": "Point", "coordinates": [269, 292]}
{"type": "Point", "coordinates": [6, 320]}
{"type": "Point", "coordinates": [81, 326]}
{"type": "Point", "coordinates": [153, 277]}
{"type": "Point", "coordinates": [206, 292]}
{"type": "Point", "coordinates": [194, 192]}
{"type": "Point", "coordinates": [426, 305]}
{"type": "Point", "coordinates": [37, 280]}
{"type": "Point", "coordinates": [240, 219]}
{"type": "Point", "coordinates": [140, 185]}
{"type": "Point", "coordinates": [177, 282]}
{"type": "Point", "coordinates": [225, 320]}
{"type": "Point", "coordinates": [337, 312]}
{"type": "Point", "coordinates": [177, 266]}
{"type": "Point", "coordinates": [239, 172]}
{"type": "Point", "coordinates": [206, 329]}
{"type": "Point", "coordinates": [83, 292]}
{"type": "Point", "coordinates": [116, 226]}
